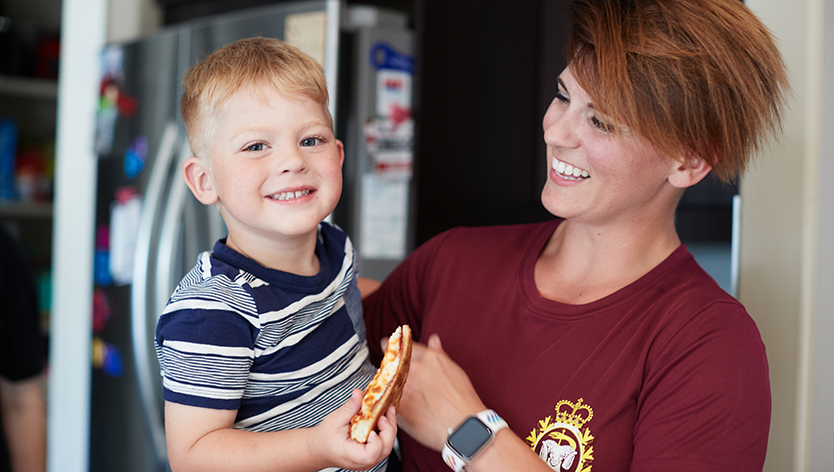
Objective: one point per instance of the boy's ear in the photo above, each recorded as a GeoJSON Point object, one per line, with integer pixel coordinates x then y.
{"type": "Point", "coordinates": [689, 172]}
{"type": "Point", "coordinates": [198, 179]}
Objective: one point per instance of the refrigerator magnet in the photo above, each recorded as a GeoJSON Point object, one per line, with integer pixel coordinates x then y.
{"type": "Point", "coordinates": [101, 310]}
{"type": "Point", "coordinates": [135, 155]}
{"type": "Point", "coordinates": [125, 214]}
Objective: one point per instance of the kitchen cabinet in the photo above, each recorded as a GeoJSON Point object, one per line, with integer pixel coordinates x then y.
{"type": "Point", "coordinates": [28, 104]}
{"type": "Point", "coordinates": [31, 103]}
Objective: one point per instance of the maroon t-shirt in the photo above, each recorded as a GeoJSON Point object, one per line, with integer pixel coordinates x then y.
{"type": "Point", "coordinates": [668, 373]}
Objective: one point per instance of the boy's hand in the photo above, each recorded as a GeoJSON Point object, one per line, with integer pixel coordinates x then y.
{"type": "Point", "coordinates": [330, 441]}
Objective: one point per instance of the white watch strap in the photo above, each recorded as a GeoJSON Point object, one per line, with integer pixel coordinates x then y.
{"type": "Point", "coordinates": [489, 418]}
{"type": "Point", "coordinates": [451, 459]}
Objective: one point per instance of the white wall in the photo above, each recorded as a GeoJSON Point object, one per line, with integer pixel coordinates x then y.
{"type": "Point", "coordinates": [783, 271]}
{"type": "Point", "coordinates": [82, 35]}
{"type": "Point", "coordinates": [822, 370]}
{"type": "Point", "coordinates": [131, 19]}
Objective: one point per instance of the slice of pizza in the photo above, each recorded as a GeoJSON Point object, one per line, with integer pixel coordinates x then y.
{"type": "Point", "coordinates": [386, 388]}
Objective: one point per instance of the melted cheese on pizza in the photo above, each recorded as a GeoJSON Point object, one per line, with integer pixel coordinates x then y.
{"type": "Point", "coordinates": [386, 372]}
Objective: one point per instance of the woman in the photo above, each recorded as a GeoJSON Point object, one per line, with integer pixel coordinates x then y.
{"type": "Point", "coordinates": [596, 336]}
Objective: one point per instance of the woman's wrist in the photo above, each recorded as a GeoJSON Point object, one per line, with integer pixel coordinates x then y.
{"type": "Point", "coordinates": [507, 453]}
{"type": "Point", "coordinates": [470, 438]}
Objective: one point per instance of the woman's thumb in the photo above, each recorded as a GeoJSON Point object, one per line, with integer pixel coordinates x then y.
{"type": "Point", "coordinates": [434, 342]}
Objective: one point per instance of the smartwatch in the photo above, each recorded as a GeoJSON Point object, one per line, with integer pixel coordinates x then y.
{"type": "Point", "coordinates": [471, 437]}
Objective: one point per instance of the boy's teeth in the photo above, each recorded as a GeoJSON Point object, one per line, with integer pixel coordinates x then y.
{"type": "Point", "coordinates": [289, 195]}
{"type": "Point", "coordinates": [567, 170]}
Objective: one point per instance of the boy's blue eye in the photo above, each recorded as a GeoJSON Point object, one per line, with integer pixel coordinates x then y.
{"type": "Point", "coordinates": [256, 147]}
{"type": "Point", "coordinates": [310, 141]}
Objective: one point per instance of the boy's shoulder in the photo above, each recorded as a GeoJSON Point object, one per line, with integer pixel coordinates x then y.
{"type": "Point", "coordinates": [331, 232]}
{"type": "Point", "coordinates": [209, 266]}
{"type": "Point", "coordinates": [215, 282]}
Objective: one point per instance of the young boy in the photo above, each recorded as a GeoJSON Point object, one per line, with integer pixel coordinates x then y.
{"type": "Point", "coordinates": [262, 345]}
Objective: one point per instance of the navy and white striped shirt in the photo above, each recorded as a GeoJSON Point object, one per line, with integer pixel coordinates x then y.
{"type": "Point", "coordinates": [284, 350]}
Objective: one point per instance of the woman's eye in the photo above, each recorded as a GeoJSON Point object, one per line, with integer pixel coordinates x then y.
{"type": "Point", "coordinates": [312, 141]}
{"type": "Point", "coordinates": [562, 97]}
{"type": "Point", "coordinates": [601, 125]}
{"type": "Point", "coordinates": [256, 147]}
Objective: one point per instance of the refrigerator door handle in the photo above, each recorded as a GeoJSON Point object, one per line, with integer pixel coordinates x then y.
{"type": "Point", "coordinates": [139, 292]}
{"type": "Point", "coordinates": [168, 235]}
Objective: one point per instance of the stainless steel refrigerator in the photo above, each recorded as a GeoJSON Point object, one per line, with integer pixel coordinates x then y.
{"type": "Point", "coordinates": [150, 229]}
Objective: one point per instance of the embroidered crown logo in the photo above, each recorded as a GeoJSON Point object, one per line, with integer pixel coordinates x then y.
{"type": "Point", "coordinates": [563, 441]}
{"type": "Point", "coordinates": [574, 414]}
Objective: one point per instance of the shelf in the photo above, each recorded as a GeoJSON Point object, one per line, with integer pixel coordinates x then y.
{"type": "Point", "coordinates": [29, 87]}
{"type": "Point", "coordinates": [26, 210]}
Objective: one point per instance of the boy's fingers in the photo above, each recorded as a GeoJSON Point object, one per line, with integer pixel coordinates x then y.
{"type": "Point", "coordinates": [351, 407]}
{"type": "Point", "coordinates": [379, 443]}
{"type": "Point", "coordinates": [388, 425]}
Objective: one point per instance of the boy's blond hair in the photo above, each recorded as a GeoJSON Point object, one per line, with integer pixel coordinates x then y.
{"type": "Point", "coordinates": [251, 63]}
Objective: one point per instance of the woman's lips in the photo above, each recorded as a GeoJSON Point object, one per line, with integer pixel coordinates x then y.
{"type": "Point", "coordinates": [568, 171]}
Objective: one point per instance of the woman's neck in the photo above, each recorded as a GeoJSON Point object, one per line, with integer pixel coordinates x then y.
{"type": "Point", "coordinates": [583, 263]}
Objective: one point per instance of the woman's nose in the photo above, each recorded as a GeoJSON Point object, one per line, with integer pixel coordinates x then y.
{"type": "Point", "coordinates": [558, 126]}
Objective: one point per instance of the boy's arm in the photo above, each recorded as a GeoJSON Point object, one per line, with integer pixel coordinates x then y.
{"type": "Point", "coordinates": [202, 439]}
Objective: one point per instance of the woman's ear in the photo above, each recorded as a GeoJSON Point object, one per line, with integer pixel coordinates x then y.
{"type": "Point", "coordinates": [341, 152]}
{"type": "Point", "coordinates": [198, 179]}
{"type": "Point", "coordinates": [689, 172]}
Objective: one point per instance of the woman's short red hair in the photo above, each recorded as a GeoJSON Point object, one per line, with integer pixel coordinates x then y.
{"type": "Point", "coordinates": [691, 76]}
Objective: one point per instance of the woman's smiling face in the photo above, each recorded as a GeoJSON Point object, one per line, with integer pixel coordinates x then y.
{"type": "Point", "coordinates": [598, 171]}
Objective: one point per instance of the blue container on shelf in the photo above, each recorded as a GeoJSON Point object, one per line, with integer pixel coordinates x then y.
{"type": "Point", "coordinates": [8, 150]}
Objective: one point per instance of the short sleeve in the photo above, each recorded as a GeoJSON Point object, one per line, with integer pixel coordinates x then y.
{"type": "Point", "coordinates": [205, 350]}
{"type": "Point", "coordinates": [705, 403]}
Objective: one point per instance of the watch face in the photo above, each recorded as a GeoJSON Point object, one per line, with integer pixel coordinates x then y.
{"type": "Point", "coordinates": [470, 437]}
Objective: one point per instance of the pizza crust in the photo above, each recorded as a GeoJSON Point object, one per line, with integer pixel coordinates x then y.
{"type": "Point", "coordinates": [386, 388]}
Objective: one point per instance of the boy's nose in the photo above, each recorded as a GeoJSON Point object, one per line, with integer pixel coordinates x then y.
{"type": "Point", "coordinates": [292, 162]}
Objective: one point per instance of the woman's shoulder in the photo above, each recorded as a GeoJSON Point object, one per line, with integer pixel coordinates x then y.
{"type": "Point", "coordinates": [691, 282]}
{"type": "Point", "coordinates": [691, 304]}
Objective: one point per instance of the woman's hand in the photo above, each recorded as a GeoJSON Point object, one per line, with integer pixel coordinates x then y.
{"type": "Point", "coordinates": [437, 396]}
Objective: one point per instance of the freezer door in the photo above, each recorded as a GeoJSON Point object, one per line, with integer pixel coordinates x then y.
{"type": "Point", "coordinates": [312, 26]}
{"type": "Point", "coordinates": [272, 21]}
{"type": "Point", "coordinates": [135, 149]}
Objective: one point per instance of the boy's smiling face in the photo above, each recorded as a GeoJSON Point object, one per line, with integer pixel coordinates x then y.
{"type": "Point", "coordinates": [275, 168]}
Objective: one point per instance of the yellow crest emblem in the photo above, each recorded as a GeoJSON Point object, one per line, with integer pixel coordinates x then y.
{"type": "Point", "coordinates": [563, 440]}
